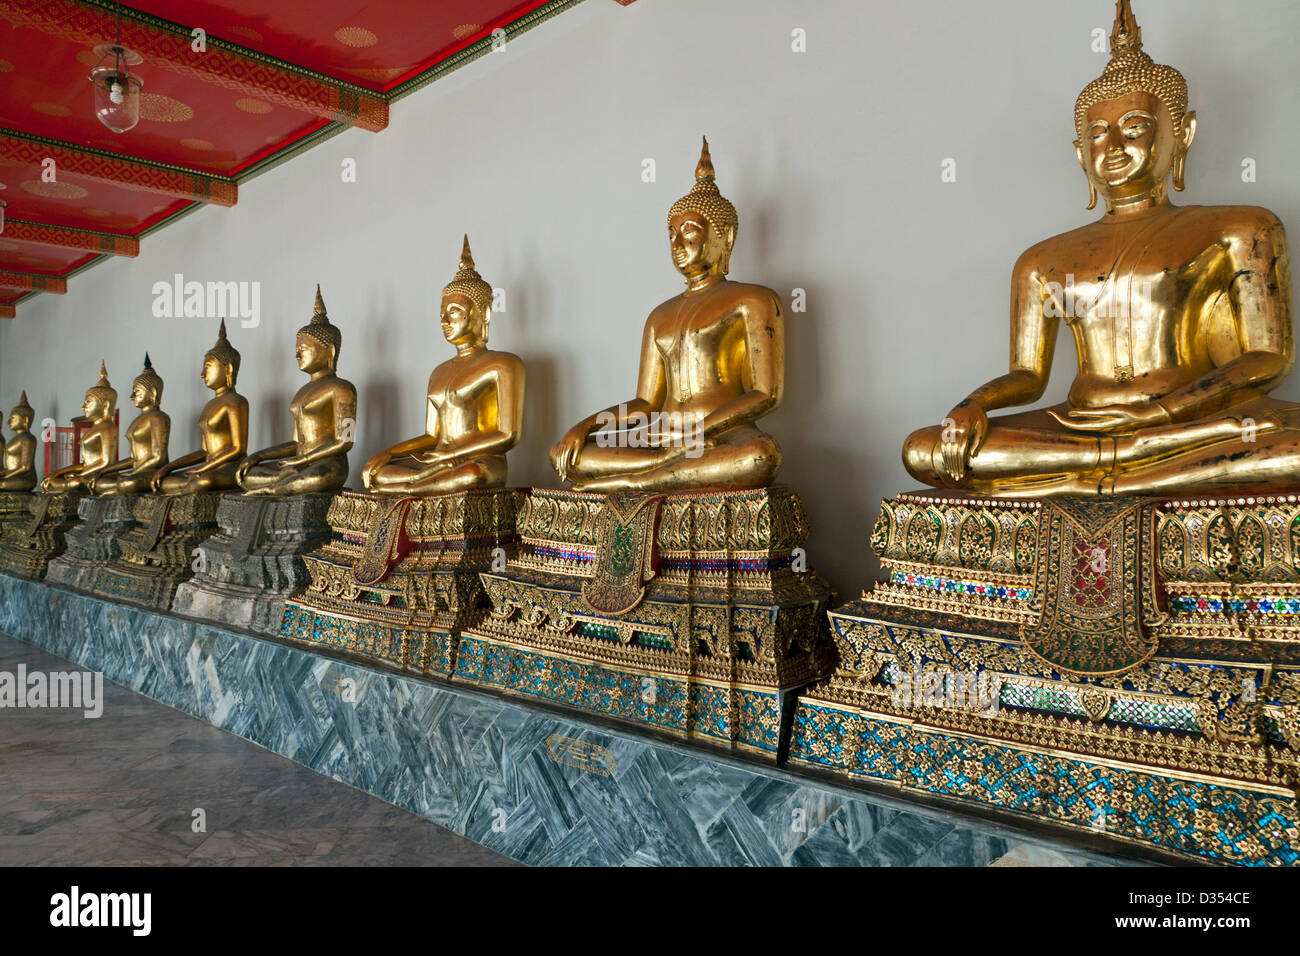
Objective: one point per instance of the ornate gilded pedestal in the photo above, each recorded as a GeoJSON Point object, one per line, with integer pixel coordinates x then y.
{"type": "Point", "coordinates": [158, 553]}
{"type": "Point", "coordinates": [15, 507]}
{"type": "Point", "coordinates": [400, 579]}
{"type": "Point", "coordinates": [687, 612]}
{"type": "Point", "coordinates": [93, 543]}
{"type": "Point", "coordinates": [31, 542]}
{"type": "Point", "coordinates": [1124, 665]}
{"type": "Point", "coordinates": [248, 570]}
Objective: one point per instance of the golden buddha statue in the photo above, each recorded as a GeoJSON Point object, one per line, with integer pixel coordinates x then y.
{"type": "Point", "coordinates": [323, 410]}
{"type": "Point", "coordinates": [1181, 319]}
{"type": "Point", "coordinates": [98, 443]}
{"type": "Point", "coordinates": [475, 405]}
{"type": "Point", "coordinates": [147, 437]}
{"type": "Point", "coordinates": [20, 451]}
{"type": "Point", "coordinates": [223, 425]}
{"type": "Point", "coordinates": [712, 364]}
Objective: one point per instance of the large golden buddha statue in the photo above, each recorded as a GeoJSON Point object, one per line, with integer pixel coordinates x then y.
{"type": "Point", "coordinates": [324, 410]}
{"type": "Point", "coordinates": [1181, 319]}
{"type": "Point", "coordinates": [147, 436]}
{"type": "Point", "coordinates": [223, 425]}
{"type": "Point", "coordinates": [474, 408]}
{"type": "Point", "coordinates": [98, 443]}
{"type": "Point", "coordinates": [20, 451]}
{"type": "Point", "coordinates": [712, 364]}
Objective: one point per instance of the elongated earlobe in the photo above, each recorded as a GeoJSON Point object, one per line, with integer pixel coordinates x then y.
{"type": "Point", "coordinates": [1180, 158]}
{"type": "Point", "coordinates": [1092, 188]}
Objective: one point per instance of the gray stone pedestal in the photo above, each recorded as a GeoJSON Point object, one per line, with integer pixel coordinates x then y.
{"type": "Point", "coordinates": [255, 564]}
{"type": "Point", "coordinates": [92, 543]}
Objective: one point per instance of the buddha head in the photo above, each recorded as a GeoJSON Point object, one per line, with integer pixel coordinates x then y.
{"type": "Point", "coordinates": [221, 363]}
{"type": "Point", "coordinates": [319, 341]}
{"type": "Point", "coordinates": [466, 304]}
{"type": "Point", "coordinates": [101, 398]}
{"type": "Point", "coordinates": [22, 416]}
{"type": "Point", "coordinates": [702, 226]}
{"type": "Point", "coordinates": [1133, 124]}
{"type": "Point", "coordinates": [146, 390]}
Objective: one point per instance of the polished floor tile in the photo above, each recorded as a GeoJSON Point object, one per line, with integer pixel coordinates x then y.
{"type": "Point", "coordinates": [123, 788]}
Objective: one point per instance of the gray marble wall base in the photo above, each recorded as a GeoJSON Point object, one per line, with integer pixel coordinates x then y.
{"type": "Point", "coordinates": [542, 787]}
{"type": "Point", "coordinates": [93, 542]}
{"type": "Point", "coordinates": [255, 564]}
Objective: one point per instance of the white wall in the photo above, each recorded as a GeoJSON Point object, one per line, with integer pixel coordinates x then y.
{"type": "Point", "coordinates": [832, 158]}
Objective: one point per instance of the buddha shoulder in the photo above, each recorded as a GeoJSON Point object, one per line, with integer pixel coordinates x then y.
{"type": "Point", "coordinates": [1201, 226]}
{"type": "Point", "coordinates": [1210, 223]}
{"type": "Point", "coordinates": [504, 363]}
{"type": "Point", "coordinates": [1250, 224]}
{"type": "Point", "coordinates": [757, 299]}
{"type": "Point", "coordinates": [726, 297]}
{"type": "Point", "coordinates": [228, 399]}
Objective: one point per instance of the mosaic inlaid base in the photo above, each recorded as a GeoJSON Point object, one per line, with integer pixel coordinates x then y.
{"type": "Point", "coordinates": [30, 543]}
{"type": "Point", "coordinates": [692, 613]}
{"type": "Point", "coordinates": [248, 571]}
{"type": "Point", "coordinates": [92, 543]}
{"type": "Point", "coordinates": [399, 579]}
{"type": "Point", "coordinates": [1025, 655]}
{"type": "Point", "coordinates": [542, 787]}
{"type": "Point", "coordinates": [160, 551]}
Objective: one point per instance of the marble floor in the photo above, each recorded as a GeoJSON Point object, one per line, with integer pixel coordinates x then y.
{"type": "Point", "coordinates": [122, 789]}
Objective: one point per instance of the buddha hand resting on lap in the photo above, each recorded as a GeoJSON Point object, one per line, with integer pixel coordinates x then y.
{"type": "Point", "coordinates": [223, 425]}
{"type": "Point", "coordinates": [98, 443]}
{"type": "Point", "coordinates": [1181, 319]}
{"type": "Point", "coordinates": [20, 451]}
{"type": "Point", "coordinates": [712, 364]}
{"type": "Point", "coordinates": [474, 407]}
{"type": "Point", "coordinates": [324, 410]}
{"type": "Point", "coordinates": [147, 436]}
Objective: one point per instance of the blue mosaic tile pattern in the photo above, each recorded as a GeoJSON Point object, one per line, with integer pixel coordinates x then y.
{"type": "Point", "coordinates": [1222, 823]}
{"type": "Point", "coordinates": [1235, 605]}
{"type": "Point", "coordinates": [963, 586]}
{"type": "Point", "coordinates": [569, 792]}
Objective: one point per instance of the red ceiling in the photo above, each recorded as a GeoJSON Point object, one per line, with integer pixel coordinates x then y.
{"type": "Point", "coordinates": [273, 73]}
{"type": "Point", "coordinates": [374, 44]}
{"type": "Point", "coordinates": [187, 120]}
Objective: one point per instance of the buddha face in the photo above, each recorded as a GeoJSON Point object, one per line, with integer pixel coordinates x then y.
{"type": "Point", "coordinates": [140, 396]}
{"type": "Point", "coordinates": [92, 407]}
{"type": "Point", "coordinates": [1129, 145]}
{"type": "Point", "coordinates": [457, 317]}
{"type": "Point", "coordinates": [695, 245]}
{"type": "Point", "coordinates": [214, 373]}
{"type": "Point", "coordinates": [312, 355]}
{"type": "Point", "coordinates": [17, 421]}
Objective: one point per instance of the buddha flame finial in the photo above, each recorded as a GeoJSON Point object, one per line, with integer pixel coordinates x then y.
{"type": "Point", "coordinates": [1130, 70]}
{"type": "Point", "coordinates": [1126, 34]}
{"type": "Point", "coordinates": [24, 408]}
{"type": "Point", "coordinates": [469, 283]}
{"type": "Point", "coordinates": [103, 373]}
{"type": "Point", "coordinates": [704, 171]}
{"type": "Point", "coordinates": [318, 309]}
{"type": "Point", "coordinates": [148, 366]}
